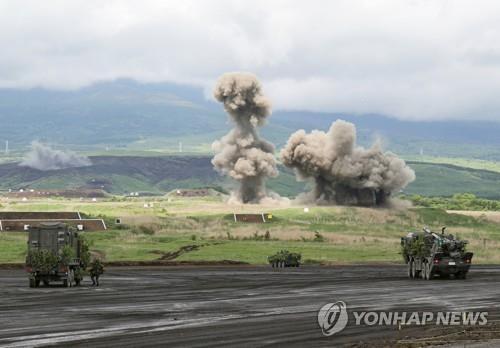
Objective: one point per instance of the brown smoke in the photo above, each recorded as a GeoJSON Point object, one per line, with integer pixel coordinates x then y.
{"type": "Point", "coordinates": [344, 173]}
{"type": "Point", "coordinates": [241, 154]}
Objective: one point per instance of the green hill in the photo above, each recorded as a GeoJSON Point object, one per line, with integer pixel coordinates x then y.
{"type": "Point", "coordinates": [160, 174]}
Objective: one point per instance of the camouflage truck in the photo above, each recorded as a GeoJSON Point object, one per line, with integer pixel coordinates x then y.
{"type": "Point", "coordinates": [284, 258]}
{"type": "Point", "coordinates": [428, 254]}
{"type": "Point", "coordinates": [56, 253]}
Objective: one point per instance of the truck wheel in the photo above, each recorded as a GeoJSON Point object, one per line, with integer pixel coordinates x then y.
{"type": "Point", "coordinates": [65, 283]}
{"type": "Point", "coordinates": [409, 266]}
{"type": "Point", "coordinates": [45, 282]}
{"type": "Point", "coordinates": [32, 283]}
{"type": "Point", "coordinates": [37, 282]}
{"type": "Point", "coordinates": [423, 272]}
{"type": "Point", "coordinates": [428, 272]}
{"type": "Point", "coordinates": [71, 278]}
{"type": "Point", "coordinates": [413, 270]}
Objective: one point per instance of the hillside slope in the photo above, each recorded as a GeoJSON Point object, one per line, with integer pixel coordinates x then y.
{"type": "Point", "coordinates": [124, 174]}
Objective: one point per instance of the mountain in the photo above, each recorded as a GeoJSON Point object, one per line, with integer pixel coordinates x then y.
{"type": "Point", "coordinates": [125, 114]}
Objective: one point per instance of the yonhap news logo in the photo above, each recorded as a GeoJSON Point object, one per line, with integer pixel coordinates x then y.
{"type": "Point", "coordinates": [334, 317]}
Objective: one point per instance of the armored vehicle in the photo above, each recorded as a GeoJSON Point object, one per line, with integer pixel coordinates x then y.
{"type": "Point", "coordinates": [56, 253]}
{"type": "Point", "coordinates": [284, 258]}
{"type": "Point", "coordinates": [428, 254]}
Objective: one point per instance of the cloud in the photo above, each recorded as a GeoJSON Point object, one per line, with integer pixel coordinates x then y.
{"type": "Point", "coordinates": [410, 59]}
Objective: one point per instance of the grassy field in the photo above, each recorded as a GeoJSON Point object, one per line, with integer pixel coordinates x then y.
{"type": "Point", "coordinates": [472, 163]}
{"type": "Point", "coordinates": [330, 235]}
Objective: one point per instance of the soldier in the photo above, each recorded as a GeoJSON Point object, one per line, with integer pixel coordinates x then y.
{"type": "Point", "coordinates": [96, 269]}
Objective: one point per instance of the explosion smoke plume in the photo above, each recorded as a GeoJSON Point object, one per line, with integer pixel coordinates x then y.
{"type": "Point", "coordinates": [344, 173]}
{"type": "Point", "coordinates": [241, 154]}
{"type": "Point", "coordinates": [43, 157]}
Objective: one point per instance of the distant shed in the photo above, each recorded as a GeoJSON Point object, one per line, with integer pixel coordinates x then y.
{"type": "Point", "coordinates": [253, 218]}
{"type": "Point", "coordinates": [83, 224]}
{"type": "Point", "coordinates": [19, 221]}
{"type": "Point", "coordinates": [39, 215]}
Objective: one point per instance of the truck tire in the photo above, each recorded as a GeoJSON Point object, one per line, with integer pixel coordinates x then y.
{"type": "Point", "coordinates": [45, 282]}
{"type": "Point", "coordinates": [32, 282]}
{"type": "Point", "coordinates": [410, 266]}
{"type": "Point", "coordinates": [413, 269]}
{"type": "Point", "coordinates": [423, 272]}
{"type": "Point", "coordinates": [428, 271]}
{"type": "Point", "coordinates": [37, 282]}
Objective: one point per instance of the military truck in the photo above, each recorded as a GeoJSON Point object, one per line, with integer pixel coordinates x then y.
{"type": "Point", "coordinates": [429, 254]}
{"type": "Point", "coordinates": [56, 253]}
{"type": "Point", "coordinates": [284, 258]}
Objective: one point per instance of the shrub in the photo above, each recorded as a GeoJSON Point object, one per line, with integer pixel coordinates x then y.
{"type": "Point", "coordinates": [318, 237]}
{"type": "Point", "coordinates": [143, 229]}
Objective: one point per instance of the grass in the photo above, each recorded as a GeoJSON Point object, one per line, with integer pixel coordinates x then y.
{"type": "Point", "coordinates": [12, 247]}
{"type": "Point", "coordinates": [493, 166]}
{"type": "Point", "coordinates": [350, 235]}
{"type": "Point", "coordinates": [256, 252]}
{"type": "Point", "coordinates": [447, 180]}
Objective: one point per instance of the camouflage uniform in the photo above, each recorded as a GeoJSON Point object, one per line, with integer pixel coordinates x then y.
{"type": "Point", "coordinates": [96, 269]}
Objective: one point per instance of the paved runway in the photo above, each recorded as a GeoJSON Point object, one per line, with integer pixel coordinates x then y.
{"type": "Point", "coordinates": [230, 306]}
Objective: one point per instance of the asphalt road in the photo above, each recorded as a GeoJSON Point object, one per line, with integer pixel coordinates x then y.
{"type": "Point", "coordinates": [231, 306]}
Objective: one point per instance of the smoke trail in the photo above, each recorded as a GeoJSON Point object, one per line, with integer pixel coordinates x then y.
{"type": "Point", "coordinates": [241, 154]}
{"type": "Point", "coordinates": [43, 157]}
{"type": "Point", "coordinates": [344, 173]}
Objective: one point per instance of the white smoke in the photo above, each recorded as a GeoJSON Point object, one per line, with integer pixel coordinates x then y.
{"type": "Point", "coordinates": [43, 157]}
{"type": "Point", "coordinates": [241, 153]}
{"type": "Point", "coordinates": [343, 172]}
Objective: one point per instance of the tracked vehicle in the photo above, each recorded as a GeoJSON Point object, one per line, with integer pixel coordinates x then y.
{"type": "Point", "coordinates": [428, 254]}
{"type": "Point", "coordinates": [56, 253]}
{"type": "Point", "coordinates": [284, 258]}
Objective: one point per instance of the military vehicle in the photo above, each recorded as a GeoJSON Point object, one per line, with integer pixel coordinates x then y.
{"type": "Point", "coordinates": [428, 254]}
{"type": "Point", "coordinates": [284, 258]}
{"type": "Point", "coordinates": [56, 253]}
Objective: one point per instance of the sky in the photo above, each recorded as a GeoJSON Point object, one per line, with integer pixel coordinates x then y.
{"type": "Point", "coordinates": [416, 60]}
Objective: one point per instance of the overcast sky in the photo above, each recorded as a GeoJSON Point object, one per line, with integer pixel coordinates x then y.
{"type": "Point", "coordinates": [408, 59]}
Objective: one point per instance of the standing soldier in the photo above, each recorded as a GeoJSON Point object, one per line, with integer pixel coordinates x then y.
{"type": "Point", "coordinates": [96, 269]}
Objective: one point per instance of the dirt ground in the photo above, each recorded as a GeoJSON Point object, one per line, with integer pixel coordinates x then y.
{"type": "Point", "coordinates": [243, 306]}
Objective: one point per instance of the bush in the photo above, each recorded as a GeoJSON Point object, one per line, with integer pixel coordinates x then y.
{"type": "Point", "coordinates": [318, 237]}
{"type": "Point", "coordinates": [42, 260]}
{"type": "Point", "coordinates": [459, 201]}
{"type": "Point", "coordinates": [143, 229]}
{"type": "Point", "coordinates": [67, 254]}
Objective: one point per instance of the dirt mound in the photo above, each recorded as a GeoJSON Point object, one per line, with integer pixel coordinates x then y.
{"type": "Point", "coordinates": [182, 250]}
